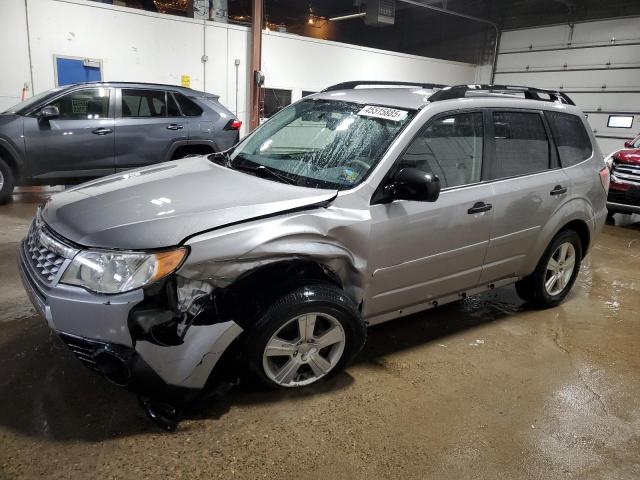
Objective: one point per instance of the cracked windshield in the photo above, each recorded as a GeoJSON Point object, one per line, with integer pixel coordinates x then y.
{"type": "Point", "coordinates": [321, 144]}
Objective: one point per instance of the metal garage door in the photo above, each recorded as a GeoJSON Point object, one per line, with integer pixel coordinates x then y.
{"type": "Point", "coordinates": [596, 63]}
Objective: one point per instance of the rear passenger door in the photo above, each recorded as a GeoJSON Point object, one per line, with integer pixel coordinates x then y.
{"type": "Point", "coordinates": [149, 126]}
{"type": "Point", "coordinates": [528, 187]}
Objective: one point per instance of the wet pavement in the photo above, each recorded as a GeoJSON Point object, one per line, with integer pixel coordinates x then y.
{"type": "Point", "coordinates": [484, 388]}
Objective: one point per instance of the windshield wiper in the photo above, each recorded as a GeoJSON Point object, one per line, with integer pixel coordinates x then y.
{"type": "Point", "coordinates": [262, 168]}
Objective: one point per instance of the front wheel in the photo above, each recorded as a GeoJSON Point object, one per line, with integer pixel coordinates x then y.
{"type": "Point", "coordinates": [306, 335]}
{"type": "Point", "coordinates": [556, 272]}
{"type": "Point", "coordinates": [7, 182]}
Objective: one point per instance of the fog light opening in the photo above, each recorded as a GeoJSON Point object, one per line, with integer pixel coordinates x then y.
{"type": "Point", "coordinates": [113, 367]}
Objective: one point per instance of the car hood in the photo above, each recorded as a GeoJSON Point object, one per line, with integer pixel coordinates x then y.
{"type": "Point", "coordinates": [160, 206]}
{"type": "Point", "coordinates": [629, 155]}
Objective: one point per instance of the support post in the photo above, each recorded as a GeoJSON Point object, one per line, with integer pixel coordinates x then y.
{"type": "Point", "coordinates": [256, 55]}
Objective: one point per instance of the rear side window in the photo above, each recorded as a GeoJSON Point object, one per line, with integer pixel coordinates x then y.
{"type": "Point", "coordinates": [188, 107]}
{"type": "Point", "coordinates": [450, 147]}
{"type": "Point", "coordinates": [172, 106]}
{"type": "Point", "coordinates": [143, 103]}
{"type": "Point", "coordinates": [521, 144]}
{"type": "Point", "coordinates": [571, 138]}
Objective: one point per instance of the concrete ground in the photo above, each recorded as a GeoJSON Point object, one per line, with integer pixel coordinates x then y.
{"type": "Point", "coordinates": [479, 389]}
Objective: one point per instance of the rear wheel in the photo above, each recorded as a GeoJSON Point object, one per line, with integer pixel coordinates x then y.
{"type": "Point", "coordinates": [556, 272]}
{"type": "Point", "coordinates": [7, 181]}
{"type": "Point", "coordinates": [304, 336]}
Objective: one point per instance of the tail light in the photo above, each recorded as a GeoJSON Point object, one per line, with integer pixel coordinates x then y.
{"type": "Point", "coordinates": [233, 124]}
{"type": "Point", "coordinates": [605, 177]}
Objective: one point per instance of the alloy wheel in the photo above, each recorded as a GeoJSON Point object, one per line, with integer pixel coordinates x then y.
{"type": "Point", "coordinates": [304, 349]}
{"type": "Point", "coordinates": [560, 268]}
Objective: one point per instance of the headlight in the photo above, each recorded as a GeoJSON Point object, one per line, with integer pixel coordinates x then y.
{"type": "Point", "coordinates": [117, 272]}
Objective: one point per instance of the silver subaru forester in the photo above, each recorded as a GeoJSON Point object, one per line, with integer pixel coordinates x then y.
{"type": "Point", "coordinates": [349, 208]}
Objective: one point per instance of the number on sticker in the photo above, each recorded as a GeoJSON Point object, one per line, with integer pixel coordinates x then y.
{"type": "Point", "coordinates": [383, 112]}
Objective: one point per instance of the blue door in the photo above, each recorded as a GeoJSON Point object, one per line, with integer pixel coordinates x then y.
{"type": "Point", "coordinates": [72, 70]}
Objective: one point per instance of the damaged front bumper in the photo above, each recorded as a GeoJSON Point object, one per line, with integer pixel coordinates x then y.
{"type": "Point", "coordinates": [117, 335]}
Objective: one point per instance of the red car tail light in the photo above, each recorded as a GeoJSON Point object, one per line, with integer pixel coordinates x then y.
{"type": "Point", "coordinates": [605, 178]}
{"type": "Point", "coordinates": [234, 124]}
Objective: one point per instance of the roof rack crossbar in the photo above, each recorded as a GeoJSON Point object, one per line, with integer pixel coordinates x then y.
{"type": "Point", "coordinates": [531, 93]}
{"type": "Point", "coordinates": [353, 84]}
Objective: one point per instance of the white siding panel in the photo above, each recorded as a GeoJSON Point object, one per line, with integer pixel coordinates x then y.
{"type": "Point", "coordinates": [534, 37]}
{"type": "Point", "coordinates": [614, 102]}
{"type": "Point", "coordinates": [594, 79]}
{"type": "Point", "coordinates": [623, 29]}
{"type": "Point", "coordinates": [598, 57]}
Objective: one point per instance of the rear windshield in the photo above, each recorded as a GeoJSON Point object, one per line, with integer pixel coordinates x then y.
{"type": "Point", "coordinates": [323, 143]}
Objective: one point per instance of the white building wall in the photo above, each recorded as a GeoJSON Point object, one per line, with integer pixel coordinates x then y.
{"type": "Point", "coordinates": [596, 63]}
{"type": "Point", "coordinates": [135, 45]}
{"type": "Point", "coordinates": [14, 54]}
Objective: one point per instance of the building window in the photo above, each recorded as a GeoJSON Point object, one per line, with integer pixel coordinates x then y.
{"type": "Point", "coordinates": [275, 100]}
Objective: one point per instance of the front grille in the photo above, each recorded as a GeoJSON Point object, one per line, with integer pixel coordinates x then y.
{"type": "Point", "coordinates": [83, 349]}
{"type": "Point", "coordinates": [628, 173]}
{"type": "Point", "coordinates": [45, 254]}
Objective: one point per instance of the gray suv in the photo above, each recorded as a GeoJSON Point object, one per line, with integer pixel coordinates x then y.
{"type": "Point", "coordinates": [349, 208]}
{"type": "Point", "coordinates": [78, 132]}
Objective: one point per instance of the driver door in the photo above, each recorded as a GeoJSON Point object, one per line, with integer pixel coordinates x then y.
{"type": "Point", "coordinates": [77, 144]}
{"type": "Point", "coordinates": [423, 251]}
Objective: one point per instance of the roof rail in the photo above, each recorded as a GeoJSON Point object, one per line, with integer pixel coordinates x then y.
{"type": "Point", "coordinates": [531, 93]}
{"type": "Point", "coordinates": [353, 84]}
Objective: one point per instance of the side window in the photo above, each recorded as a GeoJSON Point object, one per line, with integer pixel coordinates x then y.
{"type": "Point", "coordinates": [522, 145]}
{"type": "Point", "coordinates": [85, 104]}
{"type": "Point", "coordinates": [143, 103]}
{"type": "Point", "coordinates": [189, 108]}
{"type": "Point", "coordinates": [451, 148]}
{"type": "Point", "coordinates": [172, 106]}
{"type": "Point", "coordinates": [571, 138]}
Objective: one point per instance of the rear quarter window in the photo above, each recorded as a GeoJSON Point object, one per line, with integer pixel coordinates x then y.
{"type": "Point", "coordinates": [188, 107]}
{"type": "Point", "coordinates": [571, 138]}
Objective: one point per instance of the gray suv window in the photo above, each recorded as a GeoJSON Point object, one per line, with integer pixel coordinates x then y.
{"type": "Point", "coordinates": [571, 138]}
{"type": "Point", "coordinates": [85, 104]}
{"type": "Point", "coordinates": [189, 108]}
{"type": "Point", "coordinates": [143, 103]}
{"type": "Point", "coordinates": [521, 144]}
{"type": "Point", "coordinates": [450, 147]}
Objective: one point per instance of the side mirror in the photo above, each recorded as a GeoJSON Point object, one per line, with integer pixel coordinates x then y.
{"type": "Point", "coordinates": [414, 184]}
{"type": "Point", "coordinates": [49, 112]}
{"type": "Point", "coordinates": [628, 144]}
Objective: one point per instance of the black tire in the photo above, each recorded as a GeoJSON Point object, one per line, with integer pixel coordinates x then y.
{"type": "Point", "coordinates": [321, 298]}
{"type": "Point", "coordinates": [8, 182]}
{"type": "Point", "coordinates": [532, 288]}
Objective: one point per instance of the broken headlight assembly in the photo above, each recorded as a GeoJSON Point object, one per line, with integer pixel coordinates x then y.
{"type": "Point", "coordinates": [103, 271]}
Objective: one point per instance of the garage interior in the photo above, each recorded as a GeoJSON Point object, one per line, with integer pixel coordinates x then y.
{"type": "Point", "coordinates": [485, 387]}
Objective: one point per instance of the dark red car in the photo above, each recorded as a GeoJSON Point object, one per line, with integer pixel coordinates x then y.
{"type": "Point", "coordinates": [624, 189]}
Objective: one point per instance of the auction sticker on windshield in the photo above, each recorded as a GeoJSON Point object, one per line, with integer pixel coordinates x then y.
{"type": "Point", "coordinates": [383, 112]}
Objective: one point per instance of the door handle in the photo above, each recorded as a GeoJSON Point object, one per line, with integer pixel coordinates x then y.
{"type": "Point", "coordinates": [558, 190]}
{"type": "Point", "coordinates": [479, 207]}
{"type": "Point", "coordinates": [101, 131]}
{"type": "Point", "coordinates": [175, 126]}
